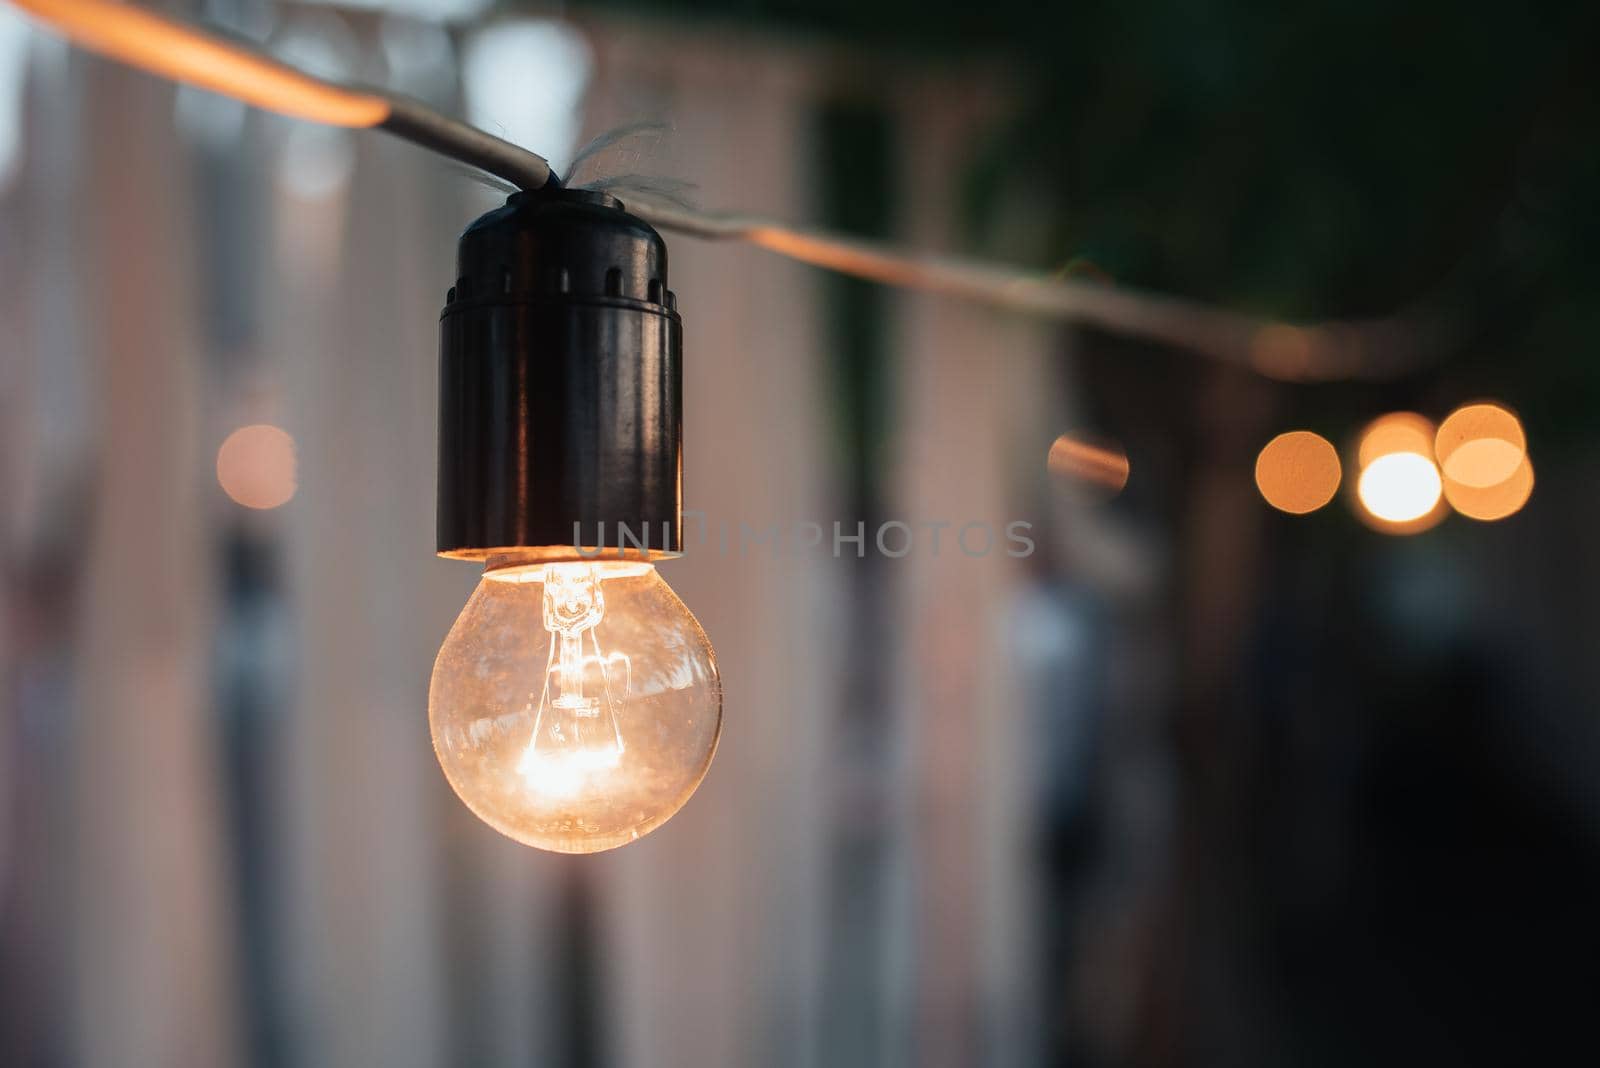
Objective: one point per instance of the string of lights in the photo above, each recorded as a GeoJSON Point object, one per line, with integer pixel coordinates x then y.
{"type": "Point", "coordinates": [576, 704]}
{"type": "Point", "coordinates": [1372, 349]}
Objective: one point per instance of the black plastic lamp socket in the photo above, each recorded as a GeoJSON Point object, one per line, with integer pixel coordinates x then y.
{"type": "Point", "coordinates": [560, 385]}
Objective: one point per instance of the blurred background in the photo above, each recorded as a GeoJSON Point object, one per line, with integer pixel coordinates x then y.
{"type": "Point", "coordinates": [1197, 782]}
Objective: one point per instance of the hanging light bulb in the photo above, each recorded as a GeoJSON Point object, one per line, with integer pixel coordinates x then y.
{"type": "Point", "coordinates": [575, 705]}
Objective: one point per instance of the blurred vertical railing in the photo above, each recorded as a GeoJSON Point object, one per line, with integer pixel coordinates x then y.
{"type": "Point", "coordinates": [712, 929]}
{"type": "Point", "coordinates": [352, 343]}
{"type": "Point", "coordinates": [153, 956]}
{"type": "Point", "coordinates": [46, 440]}
{"type": "Point", "coordinates": [967, 405]}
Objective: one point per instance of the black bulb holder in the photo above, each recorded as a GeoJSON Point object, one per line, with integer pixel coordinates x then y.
{"type": "Point", "coordinates": [560, 386]}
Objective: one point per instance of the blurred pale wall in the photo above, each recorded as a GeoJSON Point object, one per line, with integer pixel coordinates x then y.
{"type": "Point", "coordinates": [170, 268]}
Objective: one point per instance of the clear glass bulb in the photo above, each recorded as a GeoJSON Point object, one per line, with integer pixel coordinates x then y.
{"type": "Point", "coordinates": [575, 706]}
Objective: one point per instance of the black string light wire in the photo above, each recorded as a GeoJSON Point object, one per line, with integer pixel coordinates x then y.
{"type": "Point", "coordinates": [1334, 350]}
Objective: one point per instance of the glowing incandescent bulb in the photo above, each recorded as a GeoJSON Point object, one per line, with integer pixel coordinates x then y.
{"type": "Point", "coordinates": [575, 706]}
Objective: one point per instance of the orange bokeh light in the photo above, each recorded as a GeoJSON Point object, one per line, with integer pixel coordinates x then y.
{"type": "Point", "coordinates": [1480, 445]}
{"type": "Point", "coordinates": [1281, 351]}
{"type": "Point", "coordinates": [1400, 487]}
{"type": "Point", "coordinates": [1399, 490]}
{"type": "Point", "coordinates": [256, 466]}
{"type": "Point", "coordinates": [173, 50]}
{"type": "Point", "coordinates": [1489, 503]}
{"type": "Point", "coordinates": [1298, 472]}
{"type": "Point", "coordinates": [1078, 458]}
{"type": "Point", "coordinates": [1395, 432]}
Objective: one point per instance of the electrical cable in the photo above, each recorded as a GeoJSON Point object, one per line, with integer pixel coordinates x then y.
{"type": "Point", "coordinates": [1376, 348]}
{"type": "Point", "coordinates": [170, 48]}
{"type": "Point", "coordinates": [177, 51]}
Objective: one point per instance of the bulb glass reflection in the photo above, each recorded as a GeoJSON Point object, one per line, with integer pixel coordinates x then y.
{"type": "Point", "coordinates": [575, 706]}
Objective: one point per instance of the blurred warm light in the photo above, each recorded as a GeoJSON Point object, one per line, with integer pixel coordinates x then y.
{"type": "Point", "coordinates": [172, 50]}
{"type": "Point", "coordinates": [1399, 490]}
{"type": "Point", "coordinates": [1099, 463]}
{"type": "Point", "coordinates": [1279, 350]}
{"type": "Point", "coordinates": [1395, 432]}
{"type": "Point", "coordinates": [1400, 487]}
{"type": "Point", "coordinates": [255, 466]}
{"type": "Point", "coordinates": [1489, 503]}
{"type": "Point", "coordinates": [1480, 446]}
{"type": "Point", "coordinates": [1298, 472]}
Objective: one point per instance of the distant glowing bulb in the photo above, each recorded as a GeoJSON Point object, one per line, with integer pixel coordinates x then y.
{"type": "Point", "coordinates": [255, 466]}
{"type": "Point", "coordinates": [1395, 432]}
{"type": "Point", "coordinates": [1489, 503]}
{"type": "Point", "coordinates": [1298, 472]}
{"type": "Point", "coordinates": [1400, 487]}
{"type": "Point", "coordinates": [1080, 460]}
{"type": "Point", "coordinates": [575, 706]}
{"type": "Point", "coordinates": [1481, 445]}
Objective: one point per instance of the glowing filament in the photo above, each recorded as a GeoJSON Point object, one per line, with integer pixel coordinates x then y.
{"type": "Point", "coordinates": [575, 731]}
